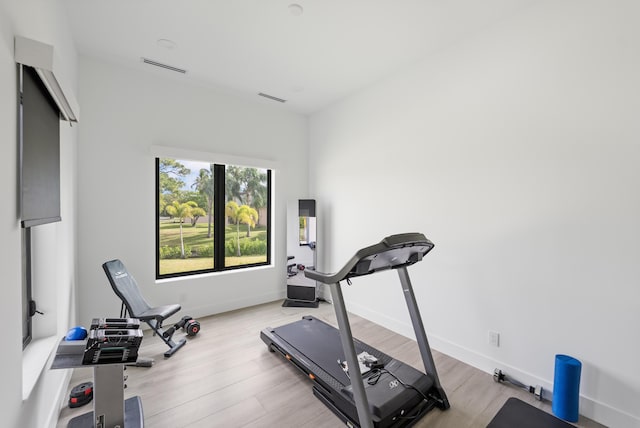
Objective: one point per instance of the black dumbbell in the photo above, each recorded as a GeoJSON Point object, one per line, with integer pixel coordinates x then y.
{"type": "Point", "coordinates": [188, 324]}
{"type": "Point", "coordinates": [191, 326]}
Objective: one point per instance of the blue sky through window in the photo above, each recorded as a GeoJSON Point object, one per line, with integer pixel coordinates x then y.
{"type": "Point", "coordinates": [195, 167]}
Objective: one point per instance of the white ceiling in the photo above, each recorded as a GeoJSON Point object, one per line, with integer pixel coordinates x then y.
{"type": "Point", "coordinates": [334, 48]}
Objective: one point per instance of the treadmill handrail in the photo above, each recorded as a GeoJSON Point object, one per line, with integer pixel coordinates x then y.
{"type": "Point", "coordinates": [392, 252]}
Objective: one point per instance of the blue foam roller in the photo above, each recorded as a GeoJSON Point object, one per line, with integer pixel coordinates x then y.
{"type": "Point", "coordinates": [566, 388]}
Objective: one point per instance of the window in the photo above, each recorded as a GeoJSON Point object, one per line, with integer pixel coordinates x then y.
{"type": "Point", "coordinates": [39, 165]}
{"type": "Point", "coordinates": [211, 217]}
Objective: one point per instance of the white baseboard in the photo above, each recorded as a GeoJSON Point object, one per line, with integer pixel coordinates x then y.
{"type": "Point", "coordinates": [589, 407]}
{"type": "Point", "coordinates": [230, 305]}
{"type": "Point", "coordinates": [60, 400]}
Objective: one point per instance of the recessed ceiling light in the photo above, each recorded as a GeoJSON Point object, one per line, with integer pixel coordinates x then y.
{"type": "Point", "coordinates": [166, 43]}
{"type": "Point", "coordinates": [295, 9]}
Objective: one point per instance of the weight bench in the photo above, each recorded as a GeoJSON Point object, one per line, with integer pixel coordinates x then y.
{"type": "Point", "coordinates": [133, 303]}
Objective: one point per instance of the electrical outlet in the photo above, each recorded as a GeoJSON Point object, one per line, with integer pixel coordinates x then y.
{"type": "Point", "coordinates": [494, 338]}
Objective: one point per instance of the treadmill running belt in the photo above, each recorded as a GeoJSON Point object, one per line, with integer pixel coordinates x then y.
{"type": "Point", "coordinates": [319, 342]}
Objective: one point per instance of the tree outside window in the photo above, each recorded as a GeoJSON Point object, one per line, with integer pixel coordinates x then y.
{"type": "Point", "coordinates": [198, 202]}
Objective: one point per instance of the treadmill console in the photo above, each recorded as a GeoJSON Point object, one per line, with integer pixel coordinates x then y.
{"type": "Point", "coordinates": [392, 252]}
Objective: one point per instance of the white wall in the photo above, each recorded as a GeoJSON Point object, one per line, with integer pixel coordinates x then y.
{"type": "Point", "coordinates": [125, 113]}
{"type": "Point", "coordinates": [516, 152]}
{"type": "Point", "coordinates": [54, 245]}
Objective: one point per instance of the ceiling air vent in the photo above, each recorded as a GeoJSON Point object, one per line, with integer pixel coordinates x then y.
{"type": "Point", "coordinates": [271, 97]}
{"type": "Point", "coordinates": [161, 65]}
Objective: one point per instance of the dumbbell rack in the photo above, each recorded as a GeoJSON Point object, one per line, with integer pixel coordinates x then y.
{"type": "Point", "coordinates": [110, 409]}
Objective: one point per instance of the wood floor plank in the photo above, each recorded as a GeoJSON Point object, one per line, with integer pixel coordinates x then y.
{"type": "Point", "coordinates": [226, 377]}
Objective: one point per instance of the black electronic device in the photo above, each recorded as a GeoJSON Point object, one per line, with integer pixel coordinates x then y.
{"type": "Point", "coordinates": [384, 392]}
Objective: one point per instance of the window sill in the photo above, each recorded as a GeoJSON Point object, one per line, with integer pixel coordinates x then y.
{"type": "Point", "coordinates": [34, 360]}
{"type": "Point", "coordinates": [210, 274]}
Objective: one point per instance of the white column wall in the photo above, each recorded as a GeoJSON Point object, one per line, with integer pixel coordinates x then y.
{"type": "Point", "coordinates": [54, 245]}
{"type": "Point", "coordinates": [516, 152]}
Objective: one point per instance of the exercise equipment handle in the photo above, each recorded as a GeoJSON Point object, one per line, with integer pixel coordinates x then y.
{"type": "Point", "coordinates": [392, 252]}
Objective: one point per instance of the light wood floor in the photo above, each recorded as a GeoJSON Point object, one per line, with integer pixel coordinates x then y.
{"type": "Point", "coordinates": [226, 377]}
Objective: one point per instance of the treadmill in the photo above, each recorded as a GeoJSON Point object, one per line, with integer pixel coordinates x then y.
{"type": "Point", "coordinates": [382, 391]}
